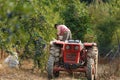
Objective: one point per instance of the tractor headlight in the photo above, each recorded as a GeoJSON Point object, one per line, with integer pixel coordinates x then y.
{"type": "Point", "coordinates": [76, 47]}
{"type": "Point", "coordinates": [67, 47]}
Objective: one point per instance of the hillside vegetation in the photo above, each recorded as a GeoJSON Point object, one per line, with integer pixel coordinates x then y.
{"type": "Point", "coordinates": [22, 21]}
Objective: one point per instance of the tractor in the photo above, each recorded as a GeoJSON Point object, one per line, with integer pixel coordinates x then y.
{"type": "Point", "coordinates": [72, 56]}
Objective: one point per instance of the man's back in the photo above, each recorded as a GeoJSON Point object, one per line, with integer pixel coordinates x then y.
{"type": "Point", "coordinates": [61, 29]}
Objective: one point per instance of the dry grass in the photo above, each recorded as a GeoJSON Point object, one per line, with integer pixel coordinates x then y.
{"type": "Point", "coordinates": [106, 71]}
{"type": "Point", "coordinates": [109, 70]}
{"type": "Point", "coordinates": [23, 73]}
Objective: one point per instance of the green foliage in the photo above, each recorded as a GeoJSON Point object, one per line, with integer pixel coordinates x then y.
{"type": "Point", "coordinates": [22, 20]}
{"type": "Point", "coordinates": [106, 20]}
{"type": "Point", "coordinates": [106, 30]}
{"type": "Point", "coordinates": [77, 19]}
{"type": "Point", "coordinates": [19, 23]}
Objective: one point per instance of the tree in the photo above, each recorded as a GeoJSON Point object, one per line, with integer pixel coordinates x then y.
{"type": "Point", "coordinates": [105, 19]}
{"type": "Point", "coordinates": [76, 18]}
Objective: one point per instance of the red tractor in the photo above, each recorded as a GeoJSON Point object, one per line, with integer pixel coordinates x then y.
{"type": "Point", "coordinates": [73, 56]}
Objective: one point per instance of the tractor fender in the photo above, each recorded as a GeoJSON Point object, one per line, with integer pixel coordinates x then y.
{"type": "Point", "coordinates": [57, 42]}
{"type": "Point", "coordinates": [86, 44]}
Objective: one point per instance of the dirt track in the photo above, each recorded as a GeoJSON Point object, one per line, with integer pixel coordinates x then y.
{"type": "Point", "coordinates": [105, 72]}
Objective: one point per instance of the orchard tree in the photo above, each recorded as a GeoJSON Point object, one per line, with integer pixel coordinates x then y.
{"type": "Point", "coordinates": [76, 18]}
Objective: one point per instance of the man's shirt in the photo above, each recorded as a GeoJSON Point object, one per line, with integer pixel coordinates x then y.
{"type": "Point", "coordinates": [62, 29]}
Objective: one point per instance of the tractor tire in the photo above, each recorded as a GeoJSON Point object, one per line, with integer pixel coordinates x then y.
{"type": "Point", "coordinates": [53, 58]}
{"type": "Point", "coordinates": [95, 51]}
{"type": "Point", "coordinates": [90, 69]}
{"type": "Point", "coordinates": [50, 66]}
{"type": "Point", "coordinates": [93, 54]}
{"type": "Point", "coordinates": [55, 51]}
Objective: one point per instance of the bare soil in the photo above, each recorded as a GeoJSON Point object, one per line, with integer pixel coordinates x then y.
{"type": "Point", "coordinates": [106, 71]}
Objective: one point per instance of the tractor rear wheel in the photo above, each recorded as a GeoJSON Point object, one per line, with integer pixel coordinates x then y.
{"type": "Point", "coordinates": [55, 51]}
{"type": "Point", "coordinates": [95, 51]}
{"type": "Point", "coordinates": [50, 66]}
{"type": "Point", "coordinates": [90, 73]}
{"type": "Point", "coordinates": [92, 62]}
{"type": "Point", "coordinates": [53, 59]}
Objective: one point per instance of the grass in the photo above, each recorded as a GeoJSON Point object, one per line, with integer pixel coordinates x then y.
{"type": "Point", "coordinates": [106, 71]}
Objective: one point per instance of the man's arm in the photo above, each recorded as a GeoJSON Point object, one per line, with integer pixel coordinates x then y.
{"type": "Point", "coordinates": [58, 30]}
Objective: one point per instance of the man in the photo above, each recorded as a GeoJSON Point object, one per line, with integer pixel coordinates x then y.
{"type": "Point", "coordinates": [63, 33]}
